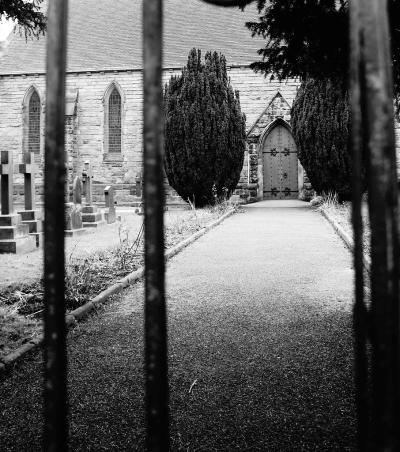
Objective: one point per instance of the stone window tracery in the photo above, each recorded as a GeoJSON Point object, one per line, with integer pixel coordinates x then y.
{"type": "Point", "coordinates": [34, 123]}
{"type": "Point", "coordinates": [114, 122]}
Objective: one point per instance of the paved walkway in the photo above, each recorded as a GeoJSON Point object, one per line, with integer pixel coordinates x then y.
{"type": "Point", "coordinates": [259, 315]}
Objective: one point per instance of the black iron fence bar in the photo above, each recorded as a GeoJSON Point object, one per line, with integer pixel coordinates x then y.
{"type": "Point", "coordinates": [382, 194]}
{"type": "Point", "coordinates": [359, 311]}
{"type": "Point", "coordinates": [155, 310]}
{"type": "Point", "coordinates": [377, 129]}
{"type": "Point", "coordinates": [55, 372]}
{"type": "Point", "coordinates": [156, 366]}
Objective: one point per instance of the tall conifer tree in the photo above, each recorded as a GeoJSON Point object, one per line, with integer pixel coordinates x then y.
{"type": "Point", "coordinates": [321, 124]}
{"type": "Point", "coordinates": [204, 130]}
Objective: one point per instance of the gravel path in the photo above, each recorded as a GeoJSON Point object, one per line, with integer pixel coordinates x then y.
{"type": "Point", "coordinates": [259, 314]}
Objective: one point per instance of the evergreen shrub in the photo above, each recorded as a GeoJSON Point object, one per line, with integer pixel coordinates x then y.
{"type": "Point", "coordinates": [321, 127]}
{"type": "Point", "coordinates": [204, 131]}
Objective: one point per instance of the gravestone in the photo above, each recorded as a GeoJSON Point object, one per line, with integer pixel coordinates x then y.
{"type": "Point", "coordinates": [14, 236]}
{"type": "Point", "coordinates": [138, 185]}
{"type": "Point", "coordinates": [87, 175]}
{"type": "Point", "coordinates": [31, 216]}
{"type": "Point", "coordinates": [110, 207]}
{"type": "Point", "coordinates": [139, 192]}
{"type": "Point", "coordinates": [73, 211]}
{"type": "Point", "coordinates": [91, 216]}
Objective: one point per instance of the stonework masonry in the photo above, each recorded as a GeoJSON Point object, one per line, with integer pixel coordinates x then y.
{"type": "Point", "coordinates": [85, 128]}
{"type": "Point", "coordinates": [263, 101]}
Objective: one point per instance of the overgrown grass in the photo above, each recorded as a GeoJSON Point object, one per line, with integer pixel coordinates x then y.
{"type": "Point", "coordinates": [21, 305]}
{"type": "Point", "coordinates": [15, 329]}
{"type": "Point", "coordinates": [342, 213]}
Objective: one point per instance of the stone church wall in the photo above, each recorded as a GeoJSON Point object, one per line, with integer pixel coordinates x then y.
{"type": "Point", "coordinates": [262, 100]}
{"type": "Point", "coordinates": [85, 128]}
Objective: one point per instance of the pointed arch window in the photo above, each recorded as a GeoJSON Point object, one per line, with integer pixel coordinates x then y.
{"type": "Point", "coordinates": [34, 123]}
{"type": "Point", "coordinates": [114, 121]}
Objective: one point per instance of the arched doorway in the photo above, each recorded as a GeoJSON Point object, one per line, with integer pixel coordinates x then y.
{"type": "Point", "coordinates": [280, 165]}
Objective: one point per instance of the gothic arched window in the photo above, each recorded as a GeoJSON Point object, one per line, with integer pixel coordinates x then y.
{"type": "Point", "coordinates": [114, 121]}
{"type": "Point", "coordinates": [34, 123]}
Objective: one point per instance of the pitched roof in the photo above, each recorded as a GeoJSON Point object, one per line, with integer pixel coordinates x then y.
{"type": "Point", "coordinates": [106, 35]}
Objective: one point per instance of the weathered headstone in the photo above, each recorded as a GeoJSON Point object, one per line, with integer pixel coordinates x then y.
{"type": "Point", "coordinates": [87, 177]}
{"type": "Point", "coordinates": [91, 216]}
{"type": "Point", "coordinates": [110, 207]}
{"type": "Point", "coordinates": [73, 211]}
{"type": "Point", "coordinates": [14, 236]}
{"type": "Point", "coordinates": [30, 216]}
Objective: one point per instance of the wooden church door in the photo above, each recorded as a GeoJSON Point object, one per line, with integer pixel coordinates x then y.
{"type": "Point", "coordinates": [280, 165]}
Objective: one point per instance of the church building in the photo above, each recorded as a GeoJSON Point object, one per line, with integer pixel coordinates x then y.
{"type": "Point", "coordinates": [104, 95]}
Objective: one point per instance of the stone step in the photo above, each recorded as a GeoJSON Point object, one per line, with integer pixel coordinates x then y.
{"type": "Point", "coordinates": [21, 245]}
{"type": "Point", "coordinates": [89, 209]}
{"type": "Point", "coordinates": [74, 232]}
{"type": "Point", "coordinates": [10, 220]}
{"type": "Point", "coordinates": [13, 232]}
{"type": "Point", "coordinates": [92, 217]}
{"type": "Point", "coordinates": [34, 225]}
{"type": "Point", "coordinates": [95, 224]}
{"type": "Point", "coordinates": [30, 215]}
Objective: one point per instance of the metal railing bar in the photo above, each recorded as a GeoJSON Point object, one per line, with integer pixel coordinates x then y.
{"type": "Point", "coordinates": [55, 372]}
{"type": "Point", "coordinates": [156, 368]}
{"type": "Point", "coordinates": [378, 127]}
{"type": "Point", "coordinates": [359, 310]}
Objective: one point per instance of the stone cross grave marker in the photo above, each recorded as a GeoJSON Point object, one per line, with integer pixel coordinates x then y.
{"type": "Point", "coordinates": [88, 176]}
{"type": "Point", "coordinates": [6, 173]}
{"type": "Point", "coordinates": [110, 207]}
{"type": "Point", "coordinates": [30, 216]}
{"type": "Point", "coordinates": [27, 168]}
{"type": "Point", "coordinates": [14, 236]}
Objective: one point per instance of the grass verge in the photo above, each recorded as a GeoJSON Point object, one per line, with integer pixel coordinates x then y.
{"type": "Point", "coordinates": [341, 213]}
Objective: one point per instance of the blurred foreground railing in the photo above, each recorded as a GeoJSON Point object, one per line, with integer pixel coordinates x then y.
{"type": "Point", "coordinates": [376, 327]}
{"type": "Point", "coordinates": [55, 392]}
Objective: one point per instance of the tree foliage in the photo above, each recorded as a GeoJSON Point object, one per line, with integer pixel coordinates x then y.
{"type": "Point", "coordinates": [204, 130]}
{"type": "Point", "coordinates": [310, 38]}
{"type": "Point", "coordinates": [320, 125]}
{"type": "Point", "coordinates": [28, 15]}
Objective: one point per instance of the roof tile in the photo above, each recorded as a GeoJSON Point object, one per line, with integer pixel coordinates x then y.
{"type": "Point", "coordinates": [106, 35]}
